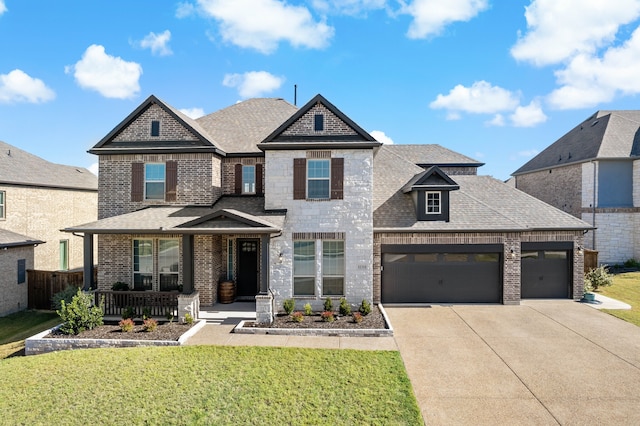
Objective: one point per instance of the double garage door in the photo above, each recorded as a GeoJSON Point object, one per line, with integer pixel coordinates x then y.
{"type": "Point", "coordinates": [470, 273]}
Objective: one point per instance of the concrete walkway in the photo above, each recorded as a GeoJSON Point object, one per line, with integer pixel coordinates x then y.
{"type": "Point", "coordinates": [604, 302]}
{"type": "Point", "coordinates": [543, 362]}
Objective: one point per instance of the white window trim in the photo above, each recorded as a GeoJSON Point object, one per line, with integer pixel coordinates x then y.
{"type": "Point", "coordinates": [155, 267]}
{"type": "Point", "coordinates": [164, 182]}
{"type": "Point", "coordinates": [253, 191]}
{"type": "Point", "coordinates": [328, 179]}
{"type": "Point", "coordinates": [426, 202]}
{"type": "Point", "coordinates": [344, 265]}
{"type": "Point", "coordinates": [3, 205]}
{"type": "Point", "coordinates": [314, 276]}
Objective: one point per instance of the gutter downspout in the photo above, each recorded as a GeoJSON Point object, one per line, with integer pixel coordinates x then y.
{"type": "Point", "coordinates": [593, 219]}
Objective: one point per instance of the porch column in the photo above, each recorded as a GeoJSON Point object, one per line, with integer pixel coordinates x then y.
{"type": "Point", "coordinates": [264, 266]}
{"type": "Point", "coordinates": [87, 277]}
{"type": "Point", "coordinates": [187, 264]}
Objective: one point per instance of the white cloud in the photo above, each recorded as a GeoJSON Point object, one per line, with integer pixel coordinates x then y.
{"type": "Point", "coordinates": [185, 10]}
{"type": "Point", "coordinates": [497, 120]}
{"type": "Point", "coordinates": [158, 43]}
{"type": "Point", "coordinates": [93, 168]}
{"type": "Point", "coordinates": [262, 25]}
{"type": "Point", "coordinates": [381, 137]}
{"type": "Point", "coordinates": [3, 7]}
{"type": "Point", "coordinates": [254, 83]}
{"type": "Point", "coordinates": [108, 75]}
{"type": "Point", "coordinates": [528, 116]}
{"type": "Point", "coordinates": [558, 30]}
{"type": "Point", "coordinates": [480, 98]}
{"type": "Point", "coordinates": [588, 80]}
{"type": "Point", "coordinates": [431, 16]}
{"type": "Point", "coordinates": [348, 7]}
{"type": "Point", "coordinates": [479, 155]}
{"type": "Point", "coordinates": [528, 153]}
{"type": "Point", "coordinates": [18, 86]}
{"type": "Point", "coordinates": [193, 112]}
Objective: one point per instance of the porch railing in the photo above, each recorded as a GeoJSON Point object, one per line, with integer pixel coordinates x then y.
{"type": "Point", "coordinates": [158, 303]}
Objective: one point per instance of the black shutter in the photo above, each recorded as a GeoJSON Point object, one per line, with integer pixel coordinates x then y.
{"type": "Point", "coordinates": [337, 177]}
{"type": "Point", "coordinates": [299, 178]}
{"type": "Point", "coordinates": [238, 179]}
{"type": "Point", "coordinates": [259, 179]}
{"type": "Point", "coordinates": [137, 181]}
{"type": "Point", "coordinates": [171, 181]}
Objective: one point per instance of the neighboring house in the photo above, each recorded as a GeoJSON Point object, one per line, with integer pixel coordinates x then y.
{"type": "Point", "coordinates": [16, 256]}
{"type": "Point", "coordinates": [593, 173]}
{"type": "Point", "coordinates": [39, 198]}
{"type": "Point", "coordinates": [304, 203]}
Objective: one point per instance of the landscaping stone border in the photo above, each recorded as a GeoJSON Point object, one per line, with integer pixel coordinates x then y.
{"type": "Point", "coordinates": [38, 344]}
{"type": "Point", "coordinates": [339, 332]}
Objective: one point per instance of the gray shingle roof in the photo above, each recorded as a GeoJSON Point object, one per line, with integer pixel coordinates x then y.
{"type": "Point", "coordinates": [606, 134]}
{"type": "Point", "coordinates": [244, 214]}
{"type": "Point", "coordinates": [432, 155]}
{"type": "Point", "coordinates": [12, 239]}
{"type": "Point", "coordinates": [481, 204]}
{"type": "Point", "coordinates": [240, 127]}
{"type": "Point", "coordinates": [20, 167]}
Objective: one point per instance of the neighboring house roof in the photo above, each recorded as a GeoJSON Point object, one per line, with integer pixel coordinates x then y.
{"type": "Point", "coordinates": [240, 127]}
{"type": "Point", "coordinates": [229, 215]}
{"type": "Point", "coordinates": [12, 239]}
{"type": "Point", "coordinates": [481, 204]}
{"type": "Point", "coordinates": [19, 167]}
{"type": "Point", "coordinates": [604, 135]}
{"type": "Point", "coordinates": [433, 155]}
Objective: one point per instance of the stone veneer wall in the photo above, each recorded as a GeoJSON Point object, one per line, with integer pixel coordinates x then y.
{"type": "Point", "coordinates": [561, 187]}
{"type": "Point", "coordinates": [511, 265]}
{"type": "Point", "coordinates": [42, 212]}
{"type": "Point", "coordinates": [351, 217]}
{"type": "Point", "coordinates": [199, 181]}
{"type": "Point", "coordinates": [229, 171]}
{"type": "Point", "coordinates": [14, 296]}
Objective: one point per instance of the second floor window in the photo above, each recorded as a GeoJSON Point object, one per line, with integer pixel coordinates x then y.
{"type": "Point", "coordinates": [318, 179]}
{"type": "Point", "coordinates": [154, 181]}
{"type": "Point", "coordinates": [433, 203]}
{"type": "Point", "coordinates": [248, 179]}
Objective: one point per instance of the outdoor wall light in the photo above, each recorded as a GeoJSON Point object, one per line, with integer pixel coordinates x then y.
{"type": "Point", "coordinates": [280, 257]}
{"type": "Point", "coordinates": [580, 249]}
{"type": "Point", "coordinates": [512, 253]}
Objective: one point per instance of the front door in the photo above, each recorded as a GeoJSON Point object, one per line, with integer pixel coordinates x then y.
{"type": "Point", "coordinates": [247, 268]}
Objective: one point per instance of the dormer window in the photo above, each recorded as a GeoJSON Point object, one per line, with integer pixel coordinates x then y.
{"type": "Point", "coordinates": [155, 128]}
{"type": "Point", "coordinates": [433, 202]}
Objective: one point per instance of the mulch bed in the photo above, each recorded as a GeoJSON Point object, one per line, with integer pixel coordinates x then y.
{"type": "Point", "coordinates": [165, 331]}
{"type": "Point", "coordinates": [374, 320]}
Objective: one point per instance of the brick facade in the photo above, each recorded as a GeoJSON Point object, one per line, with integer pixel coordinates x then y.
{"type": "Point", "coordinates": [333, 125]}
{"type": "Point", "coordinates": [561, 187]}
{"type": "Point", "coordinates": [140, 129]}
{"type": "Point", "coordinates": [229, 171]}
{"type": "Point", "coordinates": [14, 296]}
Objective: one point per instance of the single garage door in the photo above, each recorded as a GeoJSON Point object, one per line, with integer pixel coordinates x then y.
{"type": "Point", "coordinates": [441, 274]}
{"type": "Point", "coordinates": [546, 270]}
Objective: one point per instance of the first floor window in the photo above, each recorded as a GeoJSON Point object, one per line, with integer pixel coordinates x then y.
{"type": "Point", "coordinates": [433, 203]}
{"type": "Point", "coordinates": [168, 260]}
{"type": "Point", "coordinates": [248, 179]}
{"type": "Point", "coordinates": [154, 181]}
{"type": "Point", "coordinates": [2, 205]}
{"type": "Point", "coordinates": [142, 265]}
{"type": "Point", "coordinates": [64, 255]}
{"type": "Point", "coordinates": [304, 263]}
{"type": "Point", "coordinates": [333, 268]}
{"type": "Point", "coordinates": [318, 172]}
{"type": "Point", "coordinates": [22, 271]}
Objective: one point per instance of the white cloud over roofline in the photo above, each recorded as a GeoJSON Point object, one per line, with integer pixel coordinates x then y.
{"type": "Point", "coordinates": [253, 83]}
{"type": "Point", "coordinates": [380, 136]}
{"type": "Point", "coordinates": [269, 23]}
{"type": "Point", "coordinates": [480, 98]}
{"type": "Point", "coordinates": [111, 76]}
{"type": "Point", "coordinates": [18, 86]}
{"type": "Point", "coordinates": [192, 112]}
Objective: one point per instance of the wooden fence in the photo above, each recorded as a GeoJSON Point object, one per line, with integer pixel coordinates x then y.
{"type": "Point", "coordinates": [158, 303]}
{"type": "Point", "coordinates": [590, 260]}
{"type": "Point", "coordinates": [44, 284]}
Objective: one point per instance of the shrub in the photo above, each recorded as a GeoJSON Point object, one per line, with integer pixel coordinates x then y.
{"type": "Point", "coordinates": [598, 277]}
{"type": "Point", "coordinates": [289, 305]}
{"type": "Point", "coordinates": [120, 286]}
{"type": "Point", "coordinates": [307, 309]}
{"type": "Point", "coordinates": [188, 318]}
{"type": "Point", "coordinates": [128, 312]}
{"type": "Point", "coordinates": [126, 325]}
{"type": "Point", "coordinates": [328, 304]}
{"type": "Point", "coordinates": [631, 263]}
{"type": "Point", "coordinates": [345, 308]}
{"type": "Point", "coordinates": [146, 313]}
{"type": "Point", "coordinates": [150, 325]}
{"type": "Point", "coordinates": [80, 314]}
{"type": "Point", "coordinates": [297, 316]}
{"type": "Point", "coordinates": [327, 316]}
{"type": "Point", "coordinates": [66, 295]}
{"type": "Point", "coordinates": [365, 307]}
{"type": "Point", "coordinates": [357, 317]}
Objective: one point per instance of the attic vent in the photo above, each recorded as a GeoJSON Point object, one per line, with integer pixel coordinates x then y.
{"type": "Point", "coordinates": [155, 128]}
{"type": "Point", "coordinates": [318, 124]}
{"type": "Point", "coordinates": [594, 123]}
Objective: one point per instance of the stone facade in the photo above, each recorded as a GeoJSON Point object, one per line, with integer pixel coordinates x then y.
{"type": "Point", "coordinates": [350, 219]}
{"type": "Point", "coordinates": [14, 295]}
{"type": "Point", "coordinates": [561, 187]}
{"type": "Point", "coordinates": [41, 213]}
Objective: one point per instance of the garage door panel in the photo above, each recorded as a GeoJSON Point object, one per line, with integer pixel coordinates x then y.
{"type": "Point", "coordinates": [545, 274]}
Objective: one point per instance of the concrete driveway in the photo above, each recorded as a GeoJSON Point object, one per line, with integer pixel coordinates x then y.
{"type": "Point", "coordinates": [543, 362]}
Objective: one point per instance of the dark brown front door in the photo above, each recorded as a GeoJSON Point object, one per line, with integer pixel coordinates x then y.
{"type": "Point", "coordinates": [247, 277]}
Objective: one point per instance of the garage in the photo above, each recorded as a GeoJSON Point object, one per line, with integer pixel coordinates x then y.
{"type": "Point", "coordinates": [546, 270]}
{"type": "Point", "coordinates": [441, 273]}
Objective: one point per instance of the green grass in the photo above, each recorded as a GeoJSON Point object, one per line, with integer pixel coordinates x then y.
{"type": "Point", "coordinates": [626, 288]}
{"type": "Point", "coordinates": [16, 327]}
{"type": "Point", "coordinates": [208, 385]}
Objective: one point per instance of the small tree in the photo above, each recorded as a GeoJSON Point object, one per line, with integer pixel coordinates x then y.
{"type": "Point", "coordinates": [598, 277]}
{"type": "Point", "coordinates": [67, 295]}
{"type": "Point", "coordinates": [289, 305]}
{"type": "Point", "coordinates": [345, 308]}
{"type": "Point", "coordinates": [80, 314]}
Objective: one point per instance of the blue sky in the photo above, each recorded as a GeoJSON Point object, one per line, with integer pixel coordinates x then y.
{"type": "Point", "coordinates": [495, 80]}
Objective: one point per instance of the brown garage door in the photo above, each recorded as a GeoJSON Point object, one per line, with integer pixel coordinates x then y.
{"type": "Point", "coordinates": [441, 274]}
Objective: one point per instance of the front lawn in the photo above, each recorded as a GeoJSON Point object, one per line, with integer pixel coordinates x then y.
{"type": "Point", "coordinates": [16, 327]}
{"type": "Point", "coordinates": [626, 288]}
{"type": "Point", "coordinates": [208, 385]}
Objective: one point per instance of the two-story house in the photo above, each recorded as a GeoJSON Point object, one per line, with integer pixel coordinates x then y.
{"type": "Point", "coordinates": [593, 173]}
{"type": "Point", "coordinates": [303, 203]}
{"type": "Point", "coordinates": [37, 200]}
